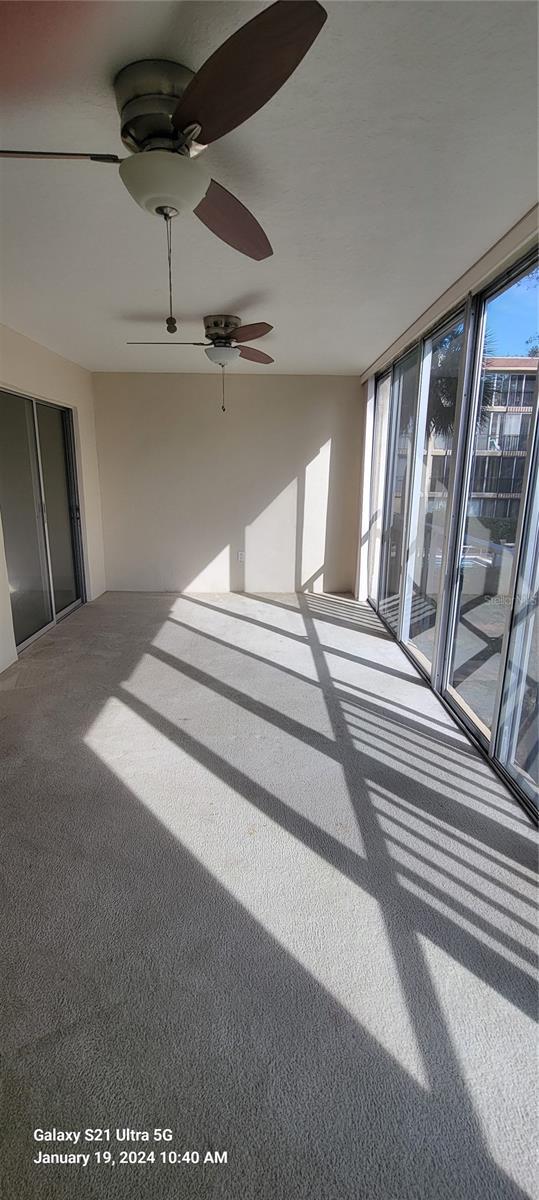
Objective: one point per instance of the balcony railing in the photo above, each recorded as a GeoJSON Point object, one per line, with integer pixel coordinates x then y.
{"type": "Point", "coordinates": [508, 443]}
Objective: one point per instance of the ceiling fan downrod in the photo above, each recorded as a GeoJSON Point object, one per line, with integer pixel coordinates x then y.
{"type": "Point", "coordinates": [168, 214]}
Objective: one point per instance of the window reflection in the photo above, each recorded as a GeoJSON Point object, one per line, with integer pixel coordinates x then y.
{"type": "Point", "coordinates": [404, 404]}
{"type": "Point", "coordinates": [519, 722]}
{"type": "Point", "coordinates": [492, 618]}
{"type": "Point", "coordinates": [441, 366]}
{"type": "Point", "coordinates": [379, 455]}
{"type": "Point", "coordinates": [502, 432]}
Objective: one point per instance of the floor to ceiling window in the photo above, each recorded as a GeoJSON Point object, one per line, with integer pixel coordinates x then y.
{"type": "Point", "coordinates": [403, 401]}
{"type": "Point", "coordinates": [493, 501]}
{"type": "Point", "coordinates": [381, 426]}
{"type": "Point", "coordinates": [518, 737]}
{"type": "Point", "coordinates": [459, 574]}
{"type": "Point", "coordinates": [442, 358]}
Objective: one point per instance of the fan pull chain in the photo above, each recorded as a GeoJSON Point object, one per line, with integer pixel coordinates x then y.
{"type": "Point", "coordinates": [171, 321]}
{"type": "Point", "coordinates": [223, 409]}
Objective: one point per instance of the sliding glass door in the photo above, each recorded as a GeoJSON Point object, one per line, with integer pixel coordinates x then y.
{"type": "Point", "coordinates": [59, 505]}
{"type": "Point", "coordinates": [23, 519]}
{"type": "Point", "coordinates": [40, 516]}
{"type": "Point", "coordinates": [493, 498]}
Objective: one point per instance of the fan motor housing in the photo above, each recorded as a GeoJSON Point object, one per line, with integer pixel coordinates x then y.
{"type": "Point", "coordinates": [221, 328]}
{"type": "Point", "coordinates": [147, 94]}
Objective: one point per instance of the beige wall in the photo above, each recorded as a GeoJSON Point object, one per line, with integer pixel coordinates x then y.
{"type": "Point", "coordinates": [186, 488]}
{"type": "Point", "coordinates": [35, 371]}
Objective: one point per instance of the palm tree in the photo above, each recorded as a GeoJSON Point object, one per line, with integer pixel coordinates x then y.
{"type": "Point", "coordinates": [444, 379]}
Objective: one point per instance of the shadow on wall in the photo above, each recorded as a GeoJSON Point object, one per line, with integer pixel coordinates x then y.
{"type": "Point", "coordinates": [261, 498]}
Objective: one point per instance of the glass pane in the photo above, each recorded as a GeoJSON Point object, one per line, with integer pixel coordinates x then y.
{"type": "Point", "coordinates": [22, 518]}
{"type": "Point", "coordinates": [379, 457]}
{"type": "Point", "coordinates": [441, 365]}
{"type": "Point", "coordinates": [59, 527]}
{"type": "Point", "coordinates": [404, 401]}
{"type": "Point", "coordinates": [519, 722]}
{"type": "Point", "coordinates": [494, 497]}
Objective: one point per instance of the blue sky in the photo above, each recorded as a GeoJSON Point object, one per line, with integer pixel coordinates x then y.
{"type": "Point", "coordinates": [512, 318]}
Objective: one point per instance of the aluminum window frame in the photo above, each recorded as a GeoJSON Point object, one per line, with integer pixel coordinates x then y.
{"type": "Point", "coordinates": [460, 314]}
{"type": "Point", "coordinates": [68, 426]}
{"type": "Point", "coordinates": [377, 574]}
{"type": "Point", "coordinates": [522, 526]}
{"type": "Point", "coordinates": [487, 738]}
{"type": "Point", "coordinates": [508, 730]}
{"type": "Point", "coordinates": [391, 438]}
{"type": "Point", "coordinates": [468, 397]}
{"type": "Point", "coordinates": [393, 434]}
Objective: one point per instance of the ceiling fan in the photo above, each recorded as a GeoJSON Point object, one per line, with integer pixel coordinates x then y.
{"type": "Point", "coordinates": [169, 115]}
{"type": "Point", "coordinates": [221, 332]}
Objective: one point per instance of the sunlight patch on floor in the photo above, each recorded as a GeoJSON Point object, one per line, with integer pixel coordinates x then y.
{"type": "Point", "coordinates": [419, 819]}
{"type": "Point", "coordinates": [333, 928]}
{"type": "Point", "coordinates": [459, 888]}
{"type": "Point", "coordinates": [470, 926]}
{"type": "Point", "coordinates": [211, 715]}
{"type": "Point", "coordinates": [243, 640]}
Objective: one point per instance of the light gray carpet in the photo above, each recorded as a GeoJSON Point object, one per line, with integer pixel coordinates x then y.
{"type": "Point", "coordinates": [261, 890]}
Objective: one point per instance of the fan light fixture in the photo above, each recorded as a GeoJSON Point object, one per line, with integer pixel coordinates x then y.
{"type": "Point", "coordinates": [162, 179]}
{"type": "Point", "coordinates": [221, 330]}
{"type": "Point", "coordinates": [222, 355]}
{"type": "Point", "coordinates": [170, 113]}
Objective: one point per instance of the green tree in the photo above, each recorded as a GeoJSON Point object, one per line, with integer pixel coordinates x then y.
{"type": "Point", "coordinates": [444, 382]}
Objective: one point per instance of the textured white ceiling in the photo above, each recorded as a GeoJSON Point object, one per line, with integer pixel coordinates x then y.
{"type": "Point", "coordinates": [401, 149]}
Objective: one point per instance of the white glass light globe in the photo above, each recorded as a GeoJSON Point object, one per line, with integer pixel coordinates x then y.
{"type": "Point", "coordinates": [222, 355]}
{"type": "Point", "coordinates": [163, 179]}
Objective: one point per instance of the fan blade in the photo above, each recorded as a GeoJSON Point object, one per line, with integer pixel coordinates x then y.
{"type": "Point", "coordinates": [168, 343]}
{"type": "Point", "coordinates": [106, 158]}
{"type": "Point", "coordinates": [249, 333]}
{"type": "Point", "coordinates": [231, 221]}
{"type": "Point", "coordinates": [255, 355]}
{"type": "Point", "coordinates": [249, 68]}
